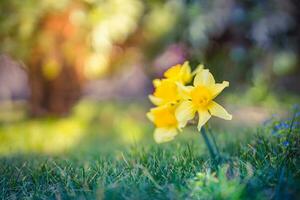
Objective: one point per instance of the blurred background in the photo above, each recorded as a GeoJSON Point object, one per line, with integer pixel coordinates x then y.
{"type": "Point", "coordinates": [74, 70]}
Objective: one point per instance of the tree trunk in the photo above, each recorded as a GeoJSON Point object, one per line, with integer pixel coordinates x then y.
{"type": "Point", "coordinates": [55, 65]}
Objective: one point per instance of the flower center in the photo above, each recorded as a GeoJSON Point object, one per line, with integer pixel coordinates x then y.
{"type": "Point", "coordinates": [201, 96]}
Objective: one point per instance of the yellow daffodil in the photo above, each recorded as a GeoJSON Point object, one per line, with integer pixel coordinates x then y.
{"type": "Point", "coordinates": [166, 90]}
{"type": "Point", "coordinates": [199, 98]}
{"type": "Point", "coordinates": [177, 103]}
{"type": "Point", "coordinates": [165, 121]}
{"type": "Point", "coordinates": [179, 73]}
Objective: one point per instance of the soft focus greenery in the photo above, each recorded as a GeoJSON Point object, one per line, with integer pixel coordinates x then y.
{"type": "Point", "coordinates": [244, 42]}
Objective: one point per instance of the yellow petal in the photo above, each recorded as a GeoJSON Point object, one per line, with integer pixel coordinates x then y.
{"type": "Point", "coordinates": [155, 100]}
{"type": "Point", "coordinates": [164, 116]}
{"type": "Point", "coordinates": [167, 91]}
{"type": "Point", "coordinates": [184, 112]}
{"type": "Point", "coordinates": [181, 73]}
{"type": "Point", "coordinates": [218, 88]}
{"type": "Point", "coordinates": [184, 91]}
{"type": "Point", "coordinates": [156, 82]}
{"type": "Point", "coordinates": [150, 116]}
{"type": "Point", "coordinates": [204, 116]}
{"type": "Point", "coordinates": [164, 134]}
{"type": "Point", "coordinates": [185, 73]}
{"type": "Point", "coordinates": [218, 111]}
{"type": "Point", "coordinates": [198, 69]}
{"type": "Point", "coordinates": [173, 72]}
{"type": "Point", "coordinates": [204, 77]}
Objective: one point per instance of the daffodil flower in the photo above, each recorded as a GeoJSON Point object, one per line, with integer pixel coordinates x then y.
{"type": "Point", "coordinates": [166, 90]}
{"type": "Point", "coordinates": [179, 73]}
{"type": "Point", "coordinates": [165, 121]}
{"type": "Point", "coordinates": [178, 103]}
{"type": "Point", "coordinates": [199, 98]}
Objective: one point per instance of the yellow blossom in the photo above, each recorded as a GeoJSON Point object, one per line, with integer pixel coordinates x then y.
{"type": "Point", "coordinates": [179, 73]}
{"type": "Point", "coordinates": [199, 98]}
{"type": "Point", "coordinates": [165, 121]}
{"type": "Point", "coordinates": [166, 91]}
{"type": "Point", "coordinates": [177, 102]}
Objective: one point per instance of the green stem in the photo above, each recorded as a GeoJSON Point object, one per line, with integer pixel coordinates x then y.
{"type": "Point", "coordinates": [208, 144]}
{"type": "Point", "coordinates": [214, 142]}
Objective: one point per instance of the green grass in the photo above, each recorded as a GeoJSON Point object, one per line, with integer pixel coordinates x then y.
{"type": "Point", "coordinates": [104, 163]}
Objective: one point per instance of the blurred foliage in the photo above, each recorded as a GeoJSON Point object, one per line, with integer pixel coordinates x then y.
{"type": "Point", "coordinates": [103, 23]}
{"type": "Point", "coordinates": [210, 185]}
{"type": "Point", "coordinates": [111, 122]}
{"type": "Point", "coordinates": [247, 39]}
{"type": "Point", "coordinates": [254, 45]}
{"type": "Point", "coordinates": [121, 122]}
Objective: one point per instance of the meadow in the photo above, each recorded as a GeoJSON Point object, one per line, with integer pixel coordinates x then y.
{"type": "Point", "coordinates": [96, 154]}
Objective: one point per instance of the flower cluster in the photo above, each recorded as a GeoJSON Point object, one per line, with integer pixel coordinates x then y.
{"type": "Point", "coordinates": [178, 101]}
